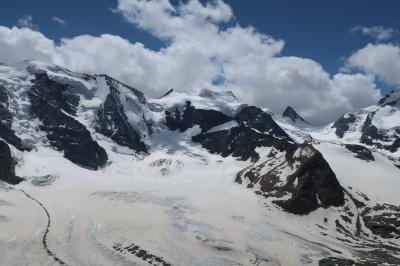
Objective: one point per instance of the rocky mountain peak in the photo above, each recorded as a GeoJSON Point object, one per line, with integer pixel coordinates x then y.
{"type": "Point", "coordinates": [291, 115]}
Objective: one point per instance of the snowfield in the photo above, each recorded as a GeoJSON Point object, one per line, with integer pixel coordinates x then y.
{"type": "Point", "coordinates": [193, 215]}
{"type": "Point", "coordinates": [196, 215]}
{"type": "Point", "coordinates": [379, 179]}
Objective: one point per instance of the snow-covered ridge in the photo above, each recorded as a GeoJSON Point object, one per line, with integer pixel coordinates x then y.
{"type": "Point", "coordinates": [225, 102]}
{"type": "Point", "coordinates": [393, 99]}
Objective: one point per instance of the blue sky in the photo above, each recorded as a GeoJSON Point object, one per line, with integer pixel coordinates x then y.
{"type": "Point", "coordinates": [319, 30]}
{"type": "Point", "coordinates": [325, 58]}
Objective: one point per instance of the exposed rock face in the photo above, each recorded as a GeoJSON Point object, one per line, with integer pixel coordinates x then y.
{"type": "Point", "coordinates": [299, 180]}
{"type": "Point", "coordinates": [5, 115]}
{"type": "Point", "coordinates": [360, 152]}
{"type": "Point", "coordinates": [7, 165]}
{"type": "Point", "coordinates": [56, 95]}
{"type": "Point", "coordinates": [256, 118]}
{"type": "Point", "coordinates": [113, 122]}
{"type": "Point", "coordinates": [240, 141]}
{"type": "Point", "coordinates": [383, 220]}
{"type": "Point", "coordinates": [317, 186]}
{"type": "Point", "coordinates": [374, 255]}
{"type": "Point", "coordinates": [370, 132]}
{"type": "Point", "coordinates": [371, 135]}
{"type": "Point", "coordinates": [6, 131]}
{"type": "Point", "coordinates": [255, 129]}
{"type": "Point", "coordinates": [331, 261]}
{"type": "Point", "coordinates": [190, 116]}
{"type": "Point", "coordinates": [342, 124]}
{"type": "Point", "coordinates": [291, 115]}
{"type": "Point", "coordinates": [49, 102]}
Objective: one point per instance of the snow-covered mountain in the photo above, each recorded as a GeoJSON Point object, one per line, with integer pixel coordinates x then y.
{"type": "Point", "coordinates": [96, 173]}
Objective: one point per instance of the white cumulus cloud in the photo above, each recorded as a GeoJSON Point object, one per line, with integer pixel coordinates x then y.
{"type": "Point", "coordinates": [382, 60]}
{"type": "Point", "coordinates": [203, 42]}
{"type": "Point", "coordinates": [380, 33]}
{"type": "Point", "coordinates": [18, 44]}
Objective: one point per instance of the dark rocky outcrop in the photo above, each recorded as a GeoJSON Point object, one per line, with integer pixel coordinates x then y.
{"type": "Point", "coordinates": [256, 118]}
{"type": "Point", "coordinates": [360, 152]}
{"type": "Point", "coordinates": [293, 116]}
{"type": "Point", "coordinates": [313, 184]}
{"type": "Point", "coordinates": [6, 119]}
{"type": "Point", "coordinates": [191, 116]}
{"type": "Point", "coordinates": [58, 96]}
{"type": "Point", "coordinates": [250, 117]}
{"type": "Point", "coordinates": [7, 165]}
{"type": "Point", "coordinates": [377, 254]}
{"type": "Point", "coordinates": [146, 256]}
{"type": "Point", "coordinates": [373, 136]}
{"type": "Point", "coordinates": [332, 261]}
{"type": "Point", "coordinates": [240, 141]}
{"type": "Point", "coordinates": [255, 129]}
{"type": "Point", "coordinates": [342, 125]}
{"type": "Point", "coordinates": [50, 101]}
{"type": "Point", "coordinates": [383, 220]}
{"type": "Point", "coordinates": [113, 122]}
{"type": "Point", "coordinates": [371, 132]}
{"type": "Point", "coordinates": [317, 186]}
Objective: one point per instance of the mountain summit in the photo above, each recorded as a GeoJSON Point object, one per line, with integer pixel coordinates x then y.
{"type": "Point", "coordinates": [292, 116]}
